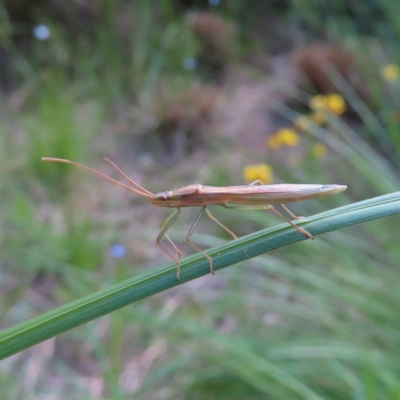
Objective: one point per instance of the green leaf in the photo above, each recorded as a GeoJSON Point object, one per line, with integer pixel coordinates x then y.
{"type": "Point", "coordinates": [54, 322]}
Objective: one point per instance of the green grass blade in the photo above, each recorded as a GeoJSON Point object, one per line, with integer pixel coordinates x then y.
{"type": "Point", "coordinates": [52, 323]}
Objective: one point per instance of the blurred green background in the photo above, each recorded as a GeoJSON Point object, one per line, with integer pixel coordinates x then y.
{"type": "Point", "coordinates": [211, 92]}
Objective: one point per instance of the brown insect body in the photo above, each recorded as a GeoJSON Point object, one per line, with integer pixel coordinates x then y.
{"type": "Point", "coordinates": [198, 195]}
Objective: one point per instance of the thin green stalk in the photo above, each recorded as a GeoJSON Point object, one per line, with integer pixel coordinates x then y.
{"type": "Point", "coordinates": [54, 322]}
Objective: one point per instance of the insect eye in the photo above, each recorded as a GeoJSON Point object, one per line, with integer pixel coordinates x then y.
{"type": "Point", "coordinates": [164, 197]}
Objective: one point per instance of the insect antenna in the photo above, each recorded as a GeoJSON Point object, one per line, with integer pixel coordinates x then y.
{"type": "Point", "coordinates": [129, 179]}
{"type": "Point", "coordinates": [136, 189]}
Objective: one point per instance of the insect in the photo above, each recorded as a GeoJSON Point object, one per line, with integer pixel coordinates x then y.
{"type": "Point", "coordinates": [253, 196]}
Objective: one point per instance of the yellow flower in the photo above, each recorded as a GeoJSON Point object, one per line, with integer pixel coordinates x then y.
{"type": "Point", "coordinates": [318, 150]}
{"type": "Point", "coordinates": [303, 123]}
{"type": "Point", "coordinates": [273, 142]}
{"type": "Point", "coordinates": [288, 137]}
{"type": "Point", "coordinates": [318, 102]}
{"type": "Point", "coordinates": [391, 72]}
{"type": "Point", "coordinates": [262, 172]}
{"type": "Point", "coordinates": [283, 137]}
{"type": "Point", "coordinates": [319, 117]}
{"type": "Point", "coordinates": [335, 103]}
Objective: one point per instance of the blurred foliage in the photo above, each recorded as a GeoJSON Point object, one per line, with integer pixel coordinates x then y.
{"type": "Point", "coordinates": [177, 100]}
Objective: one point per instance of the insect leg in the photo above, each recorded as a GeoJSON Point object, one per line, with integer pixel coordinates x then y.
{"type": "Point", "coordinates": [165, 225]}
{"type": "Point", "coordinates": [290, 213]}
{"type": "Point", "coordinates": [258, 182]}
{"type": "Point", "coordinates": [272, 208]}
{"type": "Point", "coordinates": [220, 224]}
{"type": "Point", "coordinates": [193, 245]}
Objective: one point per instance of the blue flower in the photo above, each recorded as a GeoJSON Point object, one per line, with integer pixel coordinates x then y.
{"type": "Point", "coordinates": [41, 32]}
{"type": "Point", "coordinates": [117, 250]}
